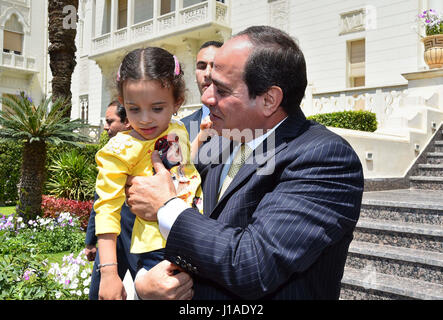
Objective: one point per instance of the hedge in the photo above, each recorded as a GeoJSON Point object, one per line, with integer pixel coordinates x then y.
{"type": "Point", "coordinates": [354, 120]}
{"type": "Point", "coordinates": [11, 159]}
{"type": "Point", "coordinates": [10, 163]}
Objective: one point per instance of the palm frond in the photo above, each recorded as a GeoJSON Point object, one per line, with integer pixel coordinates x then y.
{"type": "Point", "coordinates": [46, 122]}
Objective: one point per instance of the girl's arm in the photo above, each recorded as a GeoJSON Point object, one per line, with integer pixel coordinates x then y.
{"type": "Point", "coordinates": [111, 286]}
{"type": "Point", "coordinates": [111, 179]}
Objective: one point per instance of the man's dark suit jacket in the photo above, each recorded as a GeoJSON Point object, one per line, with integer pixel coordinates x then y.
{"type": "Point", "coordinates": [283, 235]}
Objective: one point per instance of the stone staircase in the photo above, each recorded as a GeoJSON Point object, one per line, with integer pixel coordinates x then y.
{"type": "Point", "coordinates": [397, 251]}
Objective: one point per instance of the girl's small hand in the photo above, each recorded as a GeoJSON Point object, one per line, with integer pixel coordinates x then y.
{"type": "Point", "coordinates": [111, 286]}
{"type": "Point", "coordinates": [206, 129]}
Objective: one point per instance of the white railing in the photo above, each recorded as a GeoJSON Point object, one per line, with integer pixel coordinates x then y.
{"type": "Point", "coordinates": [194, 14]}
{"type": "Point", "coordinates": [102, 42]}
{"type": "Point", "coordinates": [120, 36]}
{"type": "Point", "coordinates": [166, 22]}
{"type": "Point", "coordinates": [382, 101]}
{"type": "Point", "coordinates": [172, 22]}
{"type": "Point", "coordinates": [143, 30]}
{"type": "Point", "coordinates": [17, 61]}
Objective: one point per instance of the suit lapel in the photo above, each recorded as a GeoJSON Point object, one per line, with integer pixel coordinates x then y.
{"type": "Point", "coordinates": [257, 162]}
{"type": "Point", "coordinates": [210, 189]}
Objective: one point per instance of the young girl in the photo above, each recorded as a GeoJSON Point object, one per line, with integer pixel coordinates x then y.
{"type": "Point", "coordinates": [151, 88]}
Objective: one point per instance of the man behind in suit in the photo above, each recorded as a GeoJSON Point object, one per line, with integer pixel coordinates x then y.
{"type": "Point", "coordinates": [204, 65]}
{"type": "Point", "coordinates": [282, 227]}
{"type": "Point", "coordinates": [115, 121]}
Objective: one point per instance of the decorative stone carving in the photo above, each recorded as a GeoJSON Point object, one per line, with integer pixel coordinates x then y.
{"type": "Point", "coordinates": [143, 29]}
{"type": "Point", "coordinates": [21, 9]}
{"type": "Point", "coordinates": [166, 22]}
{"type": "Point", "coordinates": [221, 13]}
{"type": "Point", "coordinates": [279, 14]}
{"type": "Point", "coordinates": [195, 14]}
{"type": "Point", "coordinates": [353, 21]}
{"type": "Point", "coordinates": [358, 20]}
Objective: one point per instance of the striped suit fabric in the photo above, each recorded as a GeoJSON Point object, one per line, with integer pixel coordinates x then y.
{"type": "Point", "coordinates": [279, 235]}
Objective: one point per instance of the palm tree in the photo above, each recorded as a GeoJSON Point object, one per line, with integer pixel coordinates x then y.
{"type": "Point", "coordinates": [22, 121]}
{"type": "Point", "coordinates": [62, 49]}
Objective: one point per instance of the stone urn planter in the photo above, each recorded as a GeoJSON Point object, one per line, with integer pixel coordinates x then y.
{"type": "Point", "coordinates": [433, 50]}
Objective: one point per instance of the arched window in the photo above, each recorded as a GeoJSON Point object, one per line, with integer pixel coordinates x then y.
{"type": "Point", "coordinates": [13, 35]}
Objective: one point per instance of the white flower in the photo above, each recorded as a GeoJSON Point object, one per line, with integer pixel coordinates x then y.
{"type": "Point", "coordinates": [118, 143]}
{"type": "Point", "coordinates": [86, 291]}
{"type": "Point", "coordinates": [58, 294]}
{"type": "Point", "coordinates": [84, 274]}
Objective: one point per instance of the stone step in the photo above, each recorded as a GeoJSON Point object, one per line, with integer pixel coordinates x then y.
{"type": "Point", "coordinates": [425, 182]}
{"type": "Point", "coordinates": [400, 234]}
{"type": "Point", "coordinates": [402, 212]}
{"type": "Point", "coordinates": [438, 146]}
{"type": "Point", "coordinates": [403, 262]}
{"type": "Point", "coordinates": [371, 285]}
{"type": "Point", "coordinates": [434, 157]}
{"type": "Point", "coordinates": [431, 170]}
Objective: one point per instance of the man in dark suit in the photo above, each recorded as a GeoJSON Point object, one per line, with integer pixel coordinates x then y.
{"type": "Point", "coordinates": [115, 121]}
{"type": "Point", "coordinates": [278, 221]}
{"type": "Point", "coordinates": [203, 68]}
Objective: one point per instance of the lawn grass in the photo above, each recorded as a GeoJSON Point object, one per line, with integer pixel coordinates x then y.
{"type": "Point", "coordinates": [56, 257]}
{"type": "Point", "coordinates": [7, 210]}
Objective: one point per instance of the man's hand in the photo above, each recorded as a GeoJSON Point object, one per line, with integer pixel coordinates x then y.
{"type": "Point", "coordinates": [145, 195]}
{"type": "Point", "coordinates": [160, 283]}
{"type": "Point", "coordinates": [90, 252]}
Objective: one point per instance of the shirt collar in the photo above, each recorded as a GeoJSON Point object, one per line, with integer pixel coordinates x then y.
{"type": "Point", "coordinates": [205, 111]}
{"type": "Point", "coordinates": [253, 144]}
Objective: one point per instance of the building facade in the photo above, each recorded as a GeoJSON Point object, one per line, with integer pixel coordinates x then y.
{"type": "Point", "coordinates": [360, 54]}
{"type": "Point", "coordinates": [23, 59]}
{"type": "Point", "coordinates": [347, 44]}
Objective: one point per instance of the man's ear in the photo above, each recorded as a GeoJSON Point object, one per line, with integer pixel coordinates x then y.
{"type": "Point", "coordinates": [272, 100]}
{"type": "Point", "coordinates": [127, 124]}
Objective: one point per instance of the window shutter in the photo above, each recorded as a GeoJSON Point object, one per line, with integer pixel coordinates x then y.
{"type": "Point", "coordinates": [13, 41]}
{"type": "Point", "coordinates": [357, 59]}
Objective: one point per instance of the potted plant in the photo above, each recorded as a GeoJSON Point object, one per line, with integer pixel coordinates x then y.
{"type": "Point", "coordinates": [433, 42]}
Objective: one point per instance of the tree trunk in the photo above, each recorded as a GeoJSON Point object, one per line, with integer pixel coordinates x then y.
{"type": "Point", "coordinates": [33, 174]}
{"type": "Point", "coordinates": [62, 48]}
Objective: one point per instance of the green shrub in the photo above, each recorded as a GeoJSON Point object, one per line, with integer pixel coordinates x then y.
{"type": "Point", "coordinates": [104, 138]}
{"type": "Point", "coordinates": [10, 163]}
{"type": "Point", "coordinates": [11, 159]}
{"type": "Point", "coordinates": [354, 120]}
{"type": "Point", "coordinates": [24, 276]}
{"type": "Point", "coordinates": [50, 235]}
{"type": "Point", "coordinates": [71, 176]}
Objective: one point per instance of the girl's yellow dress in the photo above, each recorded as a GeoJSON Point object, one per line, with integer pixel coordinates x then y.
{"type": "Point", "coordinates": [125, 155]}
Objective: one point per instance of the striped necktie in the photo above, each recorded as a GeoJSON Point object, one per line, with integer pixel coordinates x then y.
{"type": "Point", "coordinates": [240, 157]}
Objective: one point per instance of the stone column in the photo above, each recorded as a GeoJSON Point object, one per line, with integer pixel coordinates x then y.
{"type": "Point", "coordinates": [130, 14]}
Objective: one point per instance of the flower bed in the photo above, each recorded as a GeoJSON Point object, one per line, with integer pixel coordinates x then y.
{"type": "Point", "coordinates": [52, 206]}
{"type": "Point", "coordinates": [25, 272]}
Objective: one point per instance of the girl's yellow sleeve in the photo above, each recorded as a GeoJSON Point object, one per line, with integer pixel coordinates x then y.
{"type": "Point", "coordinates": [113, 169]}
